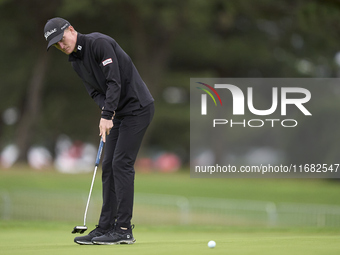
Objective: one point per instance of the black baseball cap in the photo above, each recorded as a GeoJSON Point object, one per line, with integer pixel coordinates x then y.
{"type": "Point", "coordinates": [54, 30]}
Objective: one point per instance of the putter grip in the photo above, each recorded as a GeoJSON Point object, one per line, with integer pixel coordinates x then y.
{"type": "Point", "coordinates": [100, 149]}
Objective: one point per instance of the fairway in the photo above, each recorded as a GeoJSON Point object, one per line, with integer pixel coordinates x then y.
{"type": "Point", "coordinates": [27, 229]}
{"type": "Point", "coordinates": [55, 238]}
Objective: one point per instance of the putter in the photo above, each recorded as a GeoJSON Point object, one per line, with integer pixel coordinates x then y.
{"type": "Point", "coordinates": [82, 229]}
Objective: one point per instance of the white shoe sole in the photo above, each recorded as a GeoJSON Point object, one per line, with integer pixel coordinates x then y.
{"type": "Point", "coordinates": [84, 242]}
{"type": "Point", "coordinates": [113, 243]}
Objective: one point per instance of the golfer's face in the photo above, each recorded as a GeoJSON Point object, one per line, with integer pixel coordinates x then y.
{"type": "Point", "coordinates": [68, 43]}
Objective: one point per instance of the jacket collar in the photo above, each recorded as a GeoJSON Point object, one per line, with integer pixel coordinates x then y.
{"type": "Point", "coordinates": [80, 48]}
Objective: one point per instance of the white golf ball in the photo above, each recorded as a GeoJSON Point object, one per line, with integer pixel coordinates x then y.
{"type": "Point", "coordinates": [211, 244]}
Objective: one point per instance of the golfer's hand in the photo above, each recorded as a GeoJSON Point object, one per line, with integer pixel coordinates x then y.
{"type": "Point", "coordinates": [105, 127]}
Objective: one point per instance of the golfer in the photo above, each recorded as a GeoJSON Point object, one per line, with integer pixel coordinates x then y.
{"type": "Point", "coordinates": [127, 108]}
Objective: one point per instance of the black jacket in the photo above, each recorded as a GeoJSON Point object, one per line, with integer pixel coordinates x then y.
{"type": "Point", "coordinates": [109, 75]}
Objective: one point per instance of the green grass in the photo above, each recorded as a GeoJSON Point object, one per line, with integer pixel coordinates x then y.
{"type": "Point", "coordinates": [55, 238]}
{"type": "Point", "coordinates": [36, 238]}
{"type": "Point", "coordinates": [275, 190]}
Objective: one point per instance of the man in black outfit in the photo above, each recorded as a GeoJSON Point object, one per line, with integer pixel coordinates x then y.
{"type": "Point", "coordinates": [127, 108]}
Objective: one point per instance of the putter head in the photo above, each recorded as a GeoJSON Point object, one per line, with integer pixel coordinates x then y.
{"type": "Point", "coordinates": [79, 229]}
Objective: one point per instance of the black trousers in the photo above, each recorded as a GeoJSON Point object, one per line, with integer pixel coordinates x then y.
{"type": "Point", "coordinates": [118, 173]}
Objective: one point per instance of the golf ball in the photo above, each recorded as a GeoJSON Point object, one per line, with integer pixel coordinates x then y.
{"type": "Point", "coordinates": [211, 244]}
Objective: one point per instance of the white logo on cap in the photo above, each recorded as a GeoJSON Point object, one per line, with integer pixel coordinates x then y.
{"type": "Point", "coordinates": [48, 33]}
{"type": "Point", "coordinates": [63, 27]}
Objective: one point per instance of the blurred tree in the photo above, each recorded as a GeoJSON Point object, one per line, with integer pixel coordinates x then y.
{"type": "Point", "coordinates": [169, 41]}
{"type": "Point", "coordinates": [33, 14]}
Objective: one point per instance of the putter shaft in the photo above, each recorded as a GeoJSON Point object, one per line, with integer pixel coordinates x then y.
{"type": "Point", "coordinates": [82, 229]}
{"type": "Point", "coordinates": [88, 199]}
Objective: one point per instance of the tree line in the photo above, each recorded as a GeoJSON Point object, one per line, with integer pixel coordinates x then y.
{"type": "Point", "coordinates": [169, 42]}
